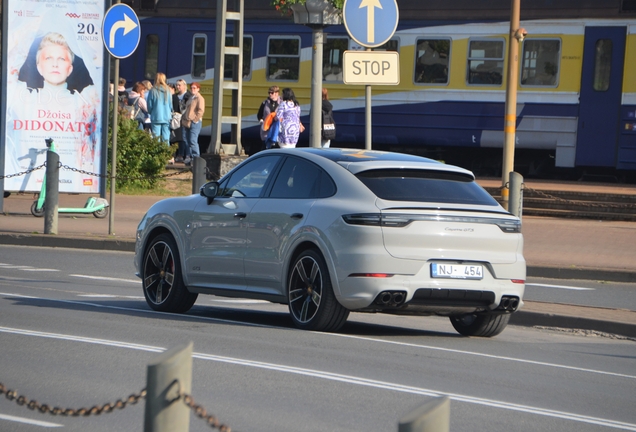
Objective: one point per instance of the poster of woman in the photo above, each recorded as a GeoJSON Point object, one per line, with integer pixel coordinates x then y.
{"type": "Point", "coordinates": [54, 88]}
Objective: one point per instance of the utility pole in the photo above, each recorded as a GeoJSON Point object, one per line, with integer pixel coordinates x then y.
{"type": "Point", "coordinates": [510, 121]}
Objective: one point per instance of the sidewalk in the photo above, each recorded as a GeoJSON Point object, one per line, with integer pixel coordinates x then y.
{"type": "Point", "coordinates": [554, 248]}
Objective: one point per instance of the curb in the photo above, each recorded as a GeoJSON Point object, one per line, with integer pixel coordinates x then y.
{"type": "Point", "coordinates": [52, 240]}
{"type": "Point", "coordinates": [581, 273]}
{"type": "Point", "coordinates": [534, 319]}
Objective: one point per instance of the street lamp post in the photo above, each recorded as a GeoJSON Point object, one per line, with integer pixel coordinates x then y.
{"type": "Point", "coordinates": [316, 14]}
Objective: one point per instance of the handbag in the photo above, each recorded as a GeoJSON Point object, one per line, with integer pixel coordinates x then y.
{"type": "Point", "coordinates": [175, 122]}
{"type": "Point", "coordinates": [328, 126]}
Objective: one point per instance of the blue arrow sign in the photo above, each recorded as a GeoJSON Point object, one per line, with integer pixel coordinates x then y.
{"type": "Point", "coordinates": [121, 30]}
{"type": "Point", "coordinates": [370, 23]}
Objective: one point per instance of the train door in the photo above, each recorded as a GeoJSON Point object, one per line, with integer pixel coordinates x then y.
{"type": "Point", "coordinates": [152, 53]}
{"type": "Point", "coordinates": [600, 97]}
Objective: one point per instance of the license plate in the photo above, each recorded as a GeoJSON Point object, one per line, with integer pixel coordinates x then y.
{"type": "Point", "coordinates": [457, 271]}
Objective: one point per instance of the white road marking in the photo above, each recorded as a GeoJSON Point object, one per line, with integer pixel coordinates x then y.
{"type": "Point", "coordinates": [560, 287]}
{"type": "Point", "coordinates": [135, 281]}
{"type": "Point", "coordinates": [110, 296]}
{"type": "Point", "coordinates": [367, 339]}
{"type": "Point", "coordinates": [344, 379]}
{"type": "Point", "coordinates": [246, 301]}
{"type": "Point", "coordinates": [11, 266]}
{"type": "Point", "coordinates": [29, 421]}
{"type": "Point", "coordinates": [39, 270]}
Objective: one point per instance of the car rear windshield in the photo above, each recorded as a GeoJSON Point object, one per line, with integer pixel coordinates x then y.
{"type": "Point", "coordinates": [425, 186]}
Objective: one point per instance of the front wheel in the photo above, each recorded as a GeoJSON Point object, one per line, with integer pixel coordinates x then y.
{"type": "Point", "coordinates": [35, 211]}
{"type": "Point", "coordinates": [312, 303]}
{"type": "Point", "coordinates": [162, 279]}
{"type": "Point", "coordinates": [484, 325]}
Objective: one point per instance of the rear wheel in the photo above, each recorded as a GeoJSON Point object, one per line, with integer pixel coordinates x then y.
{"type": "Point", "coordinates": [162, 279]}
{"type": "Point", "coordinates": [484, 325]}
{"type": "Point", "coordinates": [312, 303]}
{"type": "Point", "coordinates": [101, 213]}
{"type": "Point", "coordinates": [35, 211]}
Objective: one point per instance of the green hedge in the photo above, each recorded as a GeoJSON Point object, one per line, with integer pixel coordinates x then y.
{"type": "Point", "coordinates": [141, 158]}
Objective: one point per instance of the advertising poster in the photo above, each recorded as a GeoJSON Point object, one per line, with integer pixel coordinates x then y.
{"type": "Point", "coordinates": [55, 70]}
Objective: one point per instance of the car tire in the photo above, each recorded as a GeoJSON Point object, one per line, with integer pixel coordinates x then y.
{"type": "Point", "coordinates": [484, 325]}
{"type": "Point", "coordinates": [312, 302]}
{"type": "Point", "coordinates": [162, 279]}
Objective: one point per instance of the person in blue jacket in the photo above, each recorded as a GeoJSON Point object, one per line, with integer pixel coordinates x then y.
{"type": "Point", "coordinates": [159, 103]}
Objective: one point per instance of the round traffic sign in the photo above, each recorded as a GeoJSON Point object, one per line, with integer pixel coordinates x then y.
{"type": "Point", "coordinates": [121, 30]}
{"type": "Point", "coordinates": [370, 23]}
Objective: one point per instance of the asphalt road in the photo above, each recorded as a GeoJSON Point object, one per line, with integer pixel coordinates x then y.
{"type": "Point", "coordinates": [75, 332]}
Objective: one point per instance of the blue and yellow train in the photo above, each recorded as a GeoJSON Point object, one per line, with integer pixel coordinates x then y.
{"type": "Point", "coordinates": [576, 93]}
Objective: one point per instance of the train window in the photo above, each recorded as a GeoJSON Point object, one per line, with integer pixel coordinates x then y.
{"type": "Point", "coordinates": [199, 50]}
{"type": "Point", "coordinates": [332, 58]}
{"type": "Point", "coordinates": [602, 64]}
{"type": "Point", "coordinates": [432, 61]}
{"type": "Point", "coordinates": [392, 45]}
{"type": "Point", "coordinates": [228, 69]}
{"type": "Point", "coordinates": [152, 56]}
{"type": "Point", "coordinates": [283, 58]}
{"type": "Point", "coordinates": [485, 62]}
{"type": "Point", "coordinates": [540, 66]}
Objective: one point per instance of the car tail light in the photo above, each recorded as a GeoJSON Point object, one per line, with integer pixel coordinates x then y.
{"type": "Point", "coordinates": [402, 220]}
{"type": "Point", "coordinates": [519, 281]}
{"type": "Point", "coordinates": [372, 275]}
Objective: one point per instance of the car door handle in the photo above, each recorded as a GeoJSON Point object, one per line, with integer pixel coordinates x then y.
{"type": "Point", "coordinates": [240, 215]}
{"type": "Point", "coordinates": [297, 215]}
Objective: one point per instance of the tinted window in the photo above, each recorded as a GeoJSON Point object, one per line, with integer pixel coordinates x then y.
{"type": "Point", "coordinates": [283, 58]}
{"type": "Point", "coordinates": [425, 186]}
{"type": "Point", "coordinates": [152, 56]}
{"type": "Point", "coordinates": [602, 64]}
{"type": "Point", "coordinates": [431, 61]}
{"type": "Point", "coordinates": [302, 179]}
{"type": "Point", "coordinates": [485, 62]}
{"type": "Point", "coordinates": [540, 66]}
{"type": "Point", "coordinates": [248, 180]}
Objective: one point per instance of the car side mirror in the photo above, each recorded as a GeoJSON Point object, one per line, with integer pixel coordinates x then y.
{"type": "Point", "coordinates": [209, 190]}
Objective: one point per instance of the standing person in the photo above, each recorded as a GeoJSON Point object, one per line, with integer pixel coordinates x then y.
{"type": "Point", "coordinates": [288, 113]}
{"type": "Point", "coordinates": [191, 121]}
{"type": "Point", "coordinates": [159, 103]}
{"type": "Point", "coordinates": [148, 86]}
{"type": "Point", "coordinates": [179, 100]}
{"type": "Point", "coordinates": [140, 108]}
{"type": "Point", "coordinates": [268, 106]}
{"type": "Point", "coordinates": [328, 125]}
{"type": "Point", "coordinates": [122, 94]}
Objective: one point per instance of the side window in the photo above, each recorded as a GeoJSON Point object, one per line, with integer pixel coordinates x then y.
{"type": "Point", "coordinates": [602, 64]}
{"type": "Point", "coordinates": [432, 61]}
{"type": "Point", "coordinates": [302, 179]}
{"type": "Point", "coordinates": [540, 66]}
{"type": "Point", "coordinates": [199, 49]}
{"type": "Point", "coordinates": [247, 58]}
{"type": "Point", "coordinates": [152, 56]}
{"type": "Point", "coordinates": [332, 58]}
{"type": "Point", "coordinates": [283, 58]}
{"type": "Point", "coordinates": [391, 45]}
{"type": "Point", "coordinates": [248, 180]}
{"type": "Point", "coordinates": [485, 62]}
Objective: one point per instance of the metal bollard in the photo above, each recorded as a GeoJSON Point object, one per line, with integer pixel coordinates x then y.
{"type": "Point", "coordinates": [51, 201]}
{"type": "Point", "coordinates": [168, 376]}
{"type": "Point", "coordinates": [515, 205]}
{"type": "Point", "coordinates": [433, 416]}
{"type": "Point", "coordinates": [198, 173]}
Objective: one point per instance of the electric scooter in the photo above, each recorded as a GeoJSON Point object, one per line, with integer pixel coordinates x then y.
{"type": "Point", "coordinates": [97, 206]}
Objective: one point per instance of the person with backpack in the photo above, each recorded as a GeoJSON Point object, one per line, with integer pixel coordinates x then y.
{"type": "Point", "coordinates": [268, 106]}
{"type": "Point", "coordinates": [328, 124]}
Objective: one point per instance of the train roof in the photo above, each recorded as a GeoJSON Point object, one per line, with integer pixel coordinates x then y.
{"type": "Point", "coordinates": [482, 10]}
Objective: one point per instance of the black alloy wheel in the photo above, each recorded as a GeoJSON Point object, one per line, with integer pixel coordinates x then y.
{"type": "Point", "coordinates": [312, 303]}
{"type": "Point", "coordinates": [162, 279]}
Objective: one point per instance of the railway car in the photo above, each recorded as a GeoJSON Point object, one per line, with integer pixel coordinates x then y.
{"type": "Point", "coordinates": [576, 92]}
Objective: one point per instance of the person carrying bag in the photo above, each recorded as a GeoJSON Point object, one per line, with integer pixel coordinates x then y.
{"type": "Point", "coordinates": [328, 123]}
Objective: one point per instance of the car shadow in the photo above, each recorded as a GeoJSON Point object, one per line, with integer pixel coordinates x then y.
{"type": "Point", "coordinates": [223, 315]}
